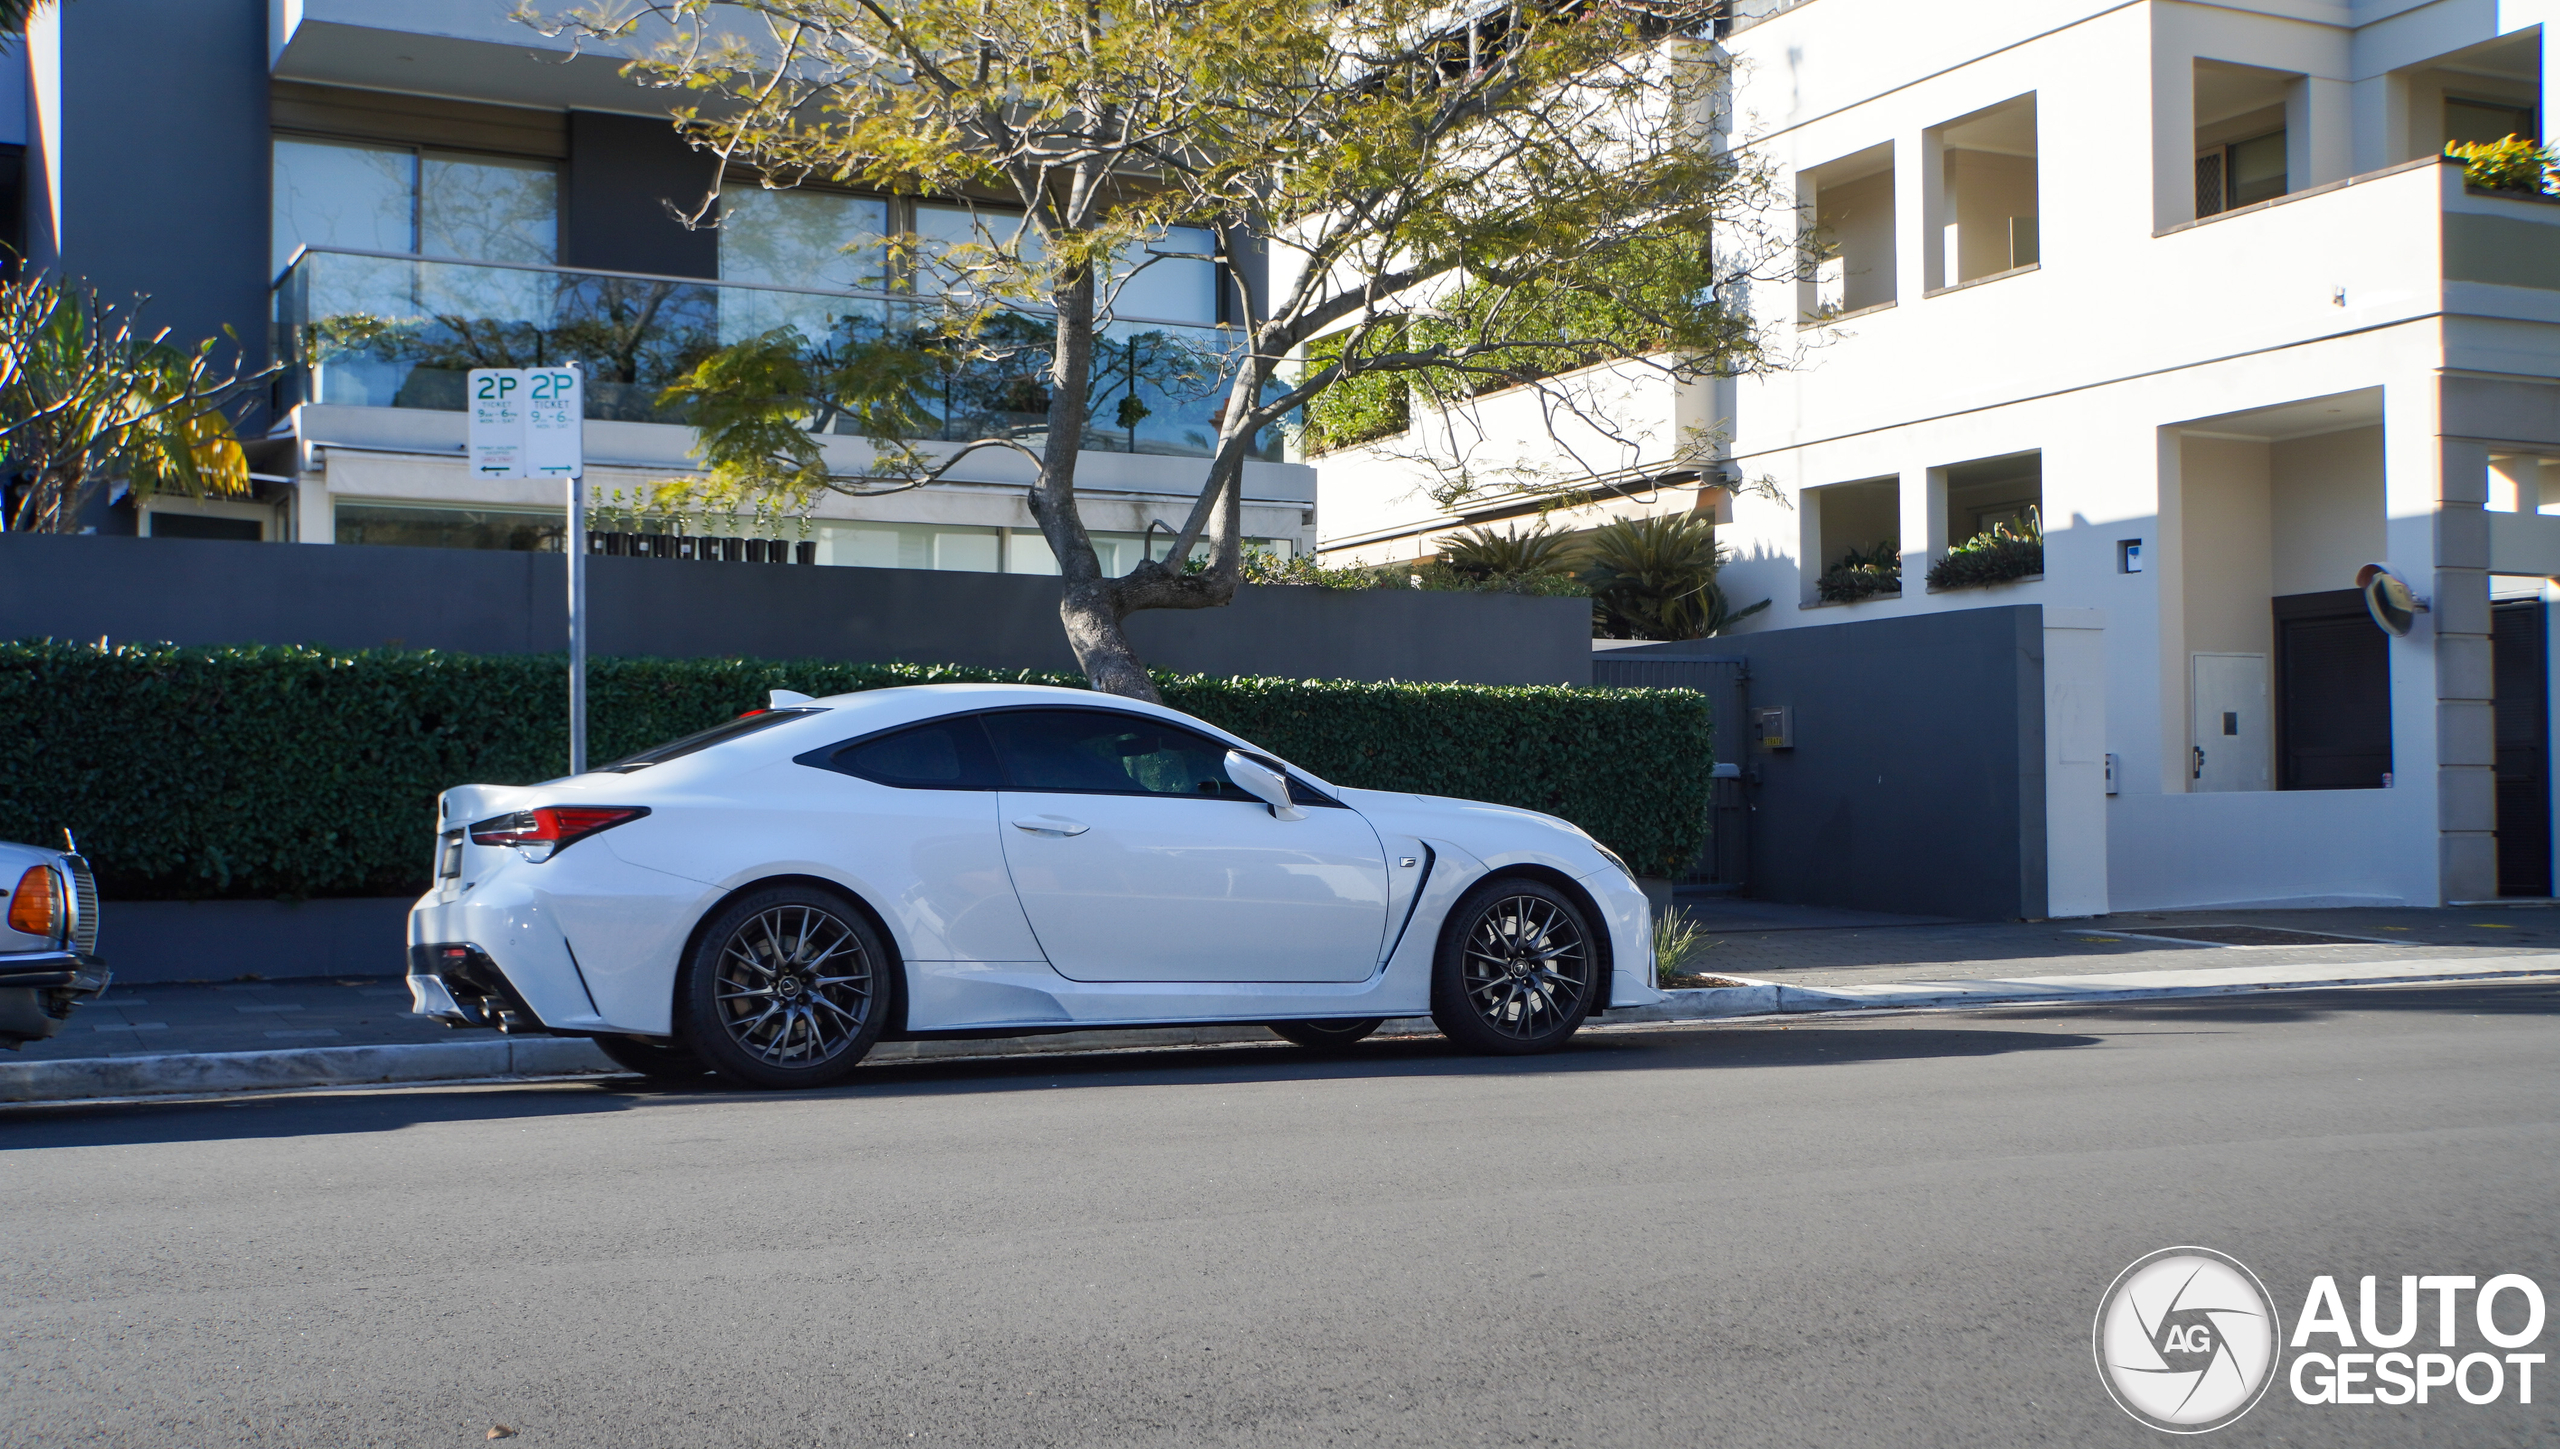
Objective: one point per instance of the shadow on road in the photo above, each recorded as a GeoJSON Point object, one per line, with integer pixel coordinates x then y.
{"type": "Point", "coordinates": [332, 1112]}
{"type": "Point", "coordinates": [2540, 998]}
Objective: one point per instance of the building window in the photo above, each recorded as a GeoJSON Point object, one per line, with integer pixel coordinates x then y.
{"type": "Point", "coordinates": [401, 199]}
{"type": "Point", "coordinates": [1986, 495]}
{"type": "Point", "coordinates": [336, 194]}
{"type": "Point", "coordinates": [1850, 204]}
{"type": "Point", "coordinates": [1853, 541]}
{"type": "Point", "coordinates": [1989, 215]}
{"type": "Point", "coordinates": [799, 238]}
{"type": "Point", "coordinates": [527, 530]}
{"type": "Point", "coordinates": [2241, 136]}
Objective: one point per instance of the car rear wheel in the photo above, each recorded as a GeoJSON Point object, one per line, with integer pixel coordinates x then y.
{"type": "Point", "coordinates": [1327, 1036]}
{"type": "Point", "coordinates": [1517, 970]}
{"type": "Point", "coordinates": [787, 987]}
{"type": "Point", "coordinates": [660, 1059]}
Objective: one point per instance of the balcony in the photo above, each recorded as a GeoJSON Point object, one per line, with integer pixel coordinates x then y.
{"type": "Point", "coordinates": [378, 329]}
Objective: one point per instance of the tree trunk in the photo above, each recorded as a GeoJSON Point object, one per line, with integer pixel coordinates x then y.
{"type": "Point", "coordinates": [1087, 604]}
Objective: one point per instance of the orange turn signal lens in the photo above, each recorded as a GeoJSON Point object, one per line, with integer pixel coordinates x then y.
{"type": "Point", "coordinates": [36, 905]}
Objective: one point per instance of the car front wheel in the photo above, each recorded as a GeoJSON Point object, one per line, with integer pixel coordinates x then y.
{"type": "Point", "coordinates": [1517, 969]}
{"type": "Point", "coordinates": [787, 987]}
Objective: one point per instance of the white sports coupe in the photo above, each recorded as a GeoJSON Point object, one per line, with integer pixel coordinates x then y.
{"type": "Point", "coordinates": [768, 898]}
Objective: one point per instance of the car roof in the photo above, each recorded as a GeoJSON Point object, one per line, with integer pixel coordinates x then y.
{"type": "Point", "coordinates": [871, 709]}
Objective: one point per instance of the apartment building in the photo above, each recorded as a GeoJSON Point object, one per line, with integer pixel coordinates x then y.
{"type": "Point", "coordinates": [382, 194]}
{"type": "Point", "coordinates": [2191, 285]}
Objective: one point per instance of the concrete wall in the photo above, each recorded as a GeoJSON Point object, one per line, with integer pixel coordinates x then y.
{"type": "Point", "coordinates": [355, 597]}
{"type": "Point", "coordinates": [1917, 782]}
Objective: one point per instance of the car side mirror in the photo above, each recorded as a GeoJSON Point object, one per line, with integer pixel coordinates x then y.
{"type": "Point", "coordinates": [1263, 783]}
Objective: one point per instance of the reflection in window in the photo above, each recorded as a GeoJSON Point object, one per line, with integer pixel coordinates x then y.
{"type": "Point", "coordinates": [360, 197]}
{"type": "Point", "coordinates": [487, 210]}
{"type": "Point", "coordinates": [1095, 752]}
{"type": "Point", "coordinates": [525, 531]}
{"type": "Point", "coordinates": [1169, 288]}
{"type": "Point", "coordinates": [393, 199]}
{"type": "Point", "coordinates": [820, 239]}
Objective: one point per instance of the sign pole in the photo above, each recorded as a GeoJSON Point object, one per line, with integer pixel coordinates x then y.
{"type": "Point", "coordinates": [578, 584]}
{"type": "Point", "coordinates": [531, 422]}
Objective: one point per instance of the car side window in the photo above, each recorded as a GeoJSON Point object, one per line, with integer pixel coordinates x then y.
{"type": "Point", "coordinates": [947, 754]}
{"type": "Point", "coordinates": [1103, 752]}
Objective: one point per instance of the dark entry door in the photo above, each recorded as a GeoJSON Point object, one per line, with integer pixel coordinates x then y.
{"type": "Point", "coordinates": [2520, 664]}
{"type": "Point", "coordinates": [2333, 693]}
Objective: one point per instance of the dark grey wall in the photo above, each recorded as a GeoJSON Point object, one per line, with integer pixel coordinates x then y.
{"type": "Point", "coordinates": [354, 597]}
{"type": "Point", "coordinates": [1916, 784]}
{"type": "Point", "coordinates": [164, 162]}
{"type": "Point", "coordinates": [624, 172]}
{"type": "Point", "coordinates": [148, 941]}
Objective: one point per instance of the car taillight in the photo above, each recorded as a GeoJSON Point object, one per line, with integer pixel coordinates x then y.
{"type": "Point", "coordinates": [35, 907]}
{"type": "Point", "coordinates": [557, 826]}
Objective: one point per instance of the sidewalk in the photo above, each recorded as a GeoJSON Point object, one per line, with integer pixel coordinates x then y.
{"type": "Point", "coordinates": [246, 1035]}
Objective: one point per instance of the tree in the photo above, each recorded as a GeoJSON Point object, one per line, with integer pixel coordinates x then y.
{"type": "Point", "coordinates": [1489, 202]}
{"type": "Point", "coordinates": [86, 397]}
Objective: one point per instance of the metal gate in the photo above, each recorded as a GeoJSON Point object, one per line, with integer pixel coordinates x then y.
{"type": "Point", "coordinates": [1727, 857]}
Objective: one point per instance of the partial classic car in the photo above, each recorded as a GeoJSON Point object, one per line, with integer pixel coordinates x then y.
{"type": "Point", "coordinates": [49, 959]}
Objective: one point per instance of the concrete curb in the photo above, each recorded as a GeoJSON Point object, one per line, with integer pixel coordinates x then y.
{"type": "Point", "coordinates": [207, 1073]}
{"type": "Point", "coordinates": [1772, 998]}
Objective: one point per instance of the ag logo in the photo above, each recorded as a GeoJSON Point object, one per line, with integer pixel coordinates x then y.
{"type": "Point", "coordinates": [2186, 1340]}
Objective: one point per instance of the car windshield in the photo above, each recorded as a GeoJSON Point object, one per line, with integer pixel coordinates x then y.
{"type": "Point", "coordinates": [719, 734]}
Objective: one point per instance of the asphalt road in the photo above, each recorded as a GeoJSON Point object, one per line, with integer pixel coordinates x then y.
{"type": "Point", "coordinates": [1891, 1231]}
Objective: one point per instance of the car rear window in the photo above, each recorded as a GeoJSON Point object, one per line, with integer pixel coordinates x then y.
{"type": "Point", "coordinates": [719, 734]}
{"type": "Point", "coordinates": [947, 754]}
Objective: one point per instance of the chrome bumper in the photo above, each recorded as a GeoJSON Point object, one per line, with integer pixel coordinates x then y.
{"type": "Point", "coordinates": [55, 970]}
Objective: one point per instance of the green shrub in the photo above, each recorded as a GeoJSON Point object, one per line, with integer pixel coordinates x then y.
{"type": "Point", "coordinates": [1859, 575]}
{"type": "Point", "coordinates": [2005, 551]}
{"type": "Point", "coordinates": [261, 772]}
{"type": "Point", "coordinates": [2514, 164]}
{"type": "Point", "coordinates": [1361, 408]}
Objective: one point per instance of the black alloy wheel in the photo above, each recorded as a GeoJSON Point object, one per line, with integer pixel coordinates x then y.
{"type": "Point", "coordinates": [1517, 969]}
{"type": "Point", "coordinates": [787, 987]}
{"type": "Point", "coordinates": [1326, 1036]}
{"type": "Point", "coordinates": [659, 1058]}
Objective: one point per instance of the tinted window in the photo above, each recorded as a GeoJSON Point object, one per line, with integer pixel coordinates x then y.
{"type": "Point", "coordinates": [719, 734]}
{"type": "Point", "coordinates": [948, 754]}
{"type": "Point", "coordinates": [1097, 752]}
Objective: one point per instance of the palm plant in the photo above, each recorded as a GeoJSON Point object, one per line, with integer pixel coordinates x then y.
{"type": "Point", "coordinates": [1481, 555]}
{"type": "Point", "coordinates": [1655, 578]}
{"type": "Point", "coordinates": [86, 398]}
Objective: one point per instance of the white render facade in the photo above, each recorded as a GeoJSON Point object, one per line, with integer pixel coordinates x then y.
{"type": "Point", "coordinates": [2347, 357]}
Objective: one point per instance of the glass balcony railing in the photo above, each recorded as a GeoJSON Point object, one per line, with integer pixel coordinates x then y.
{"type": "Point", "coordinates": [374, 329]}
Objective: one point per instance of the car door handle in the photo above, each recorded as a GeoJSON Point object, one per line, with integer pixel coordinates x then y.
{"type": "Point", "coordinates": [1058, 825]}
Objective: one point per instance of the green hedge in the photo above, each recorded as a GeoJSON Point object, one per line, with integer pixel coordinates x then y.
{"type": "Point", "coordinates": [258, 772]}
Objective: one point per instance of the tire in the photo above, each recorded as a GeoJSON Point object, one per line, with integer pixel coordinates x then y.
{"type": "Point", "coordinates": [660, 1059]}
{"type": "Point", "coordinates": [1326, 1036]}
{"type": "Point", "coordinates": [751, 1008]}
{"type": "Point", "coordinates": [1517, 971]}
